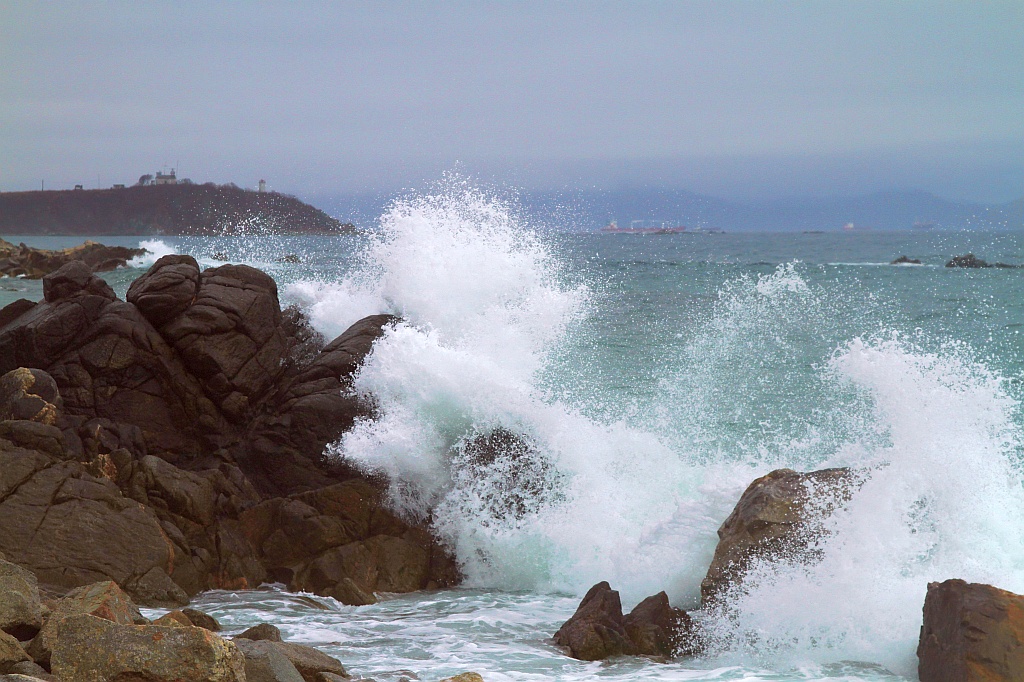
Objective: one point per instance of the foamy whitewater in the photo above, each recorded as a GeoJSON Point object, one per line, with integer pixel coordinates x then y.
{"type": "Point", "coordinates": [653, 378]}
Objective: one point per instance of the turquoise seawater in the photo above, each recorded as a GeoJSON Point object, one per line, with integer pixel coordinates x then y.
{"type": "Point", "coordinates": [656, 376]}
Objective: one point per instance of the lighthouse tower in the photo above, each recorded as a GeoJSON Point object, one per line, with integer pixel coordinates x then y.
{"type": "Point", "coordinates": [263, 186]}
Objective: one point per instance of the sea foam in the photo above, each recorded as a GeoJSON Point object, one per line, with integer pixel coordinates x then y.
{"type": "Point", "coordinates": [767, 380]}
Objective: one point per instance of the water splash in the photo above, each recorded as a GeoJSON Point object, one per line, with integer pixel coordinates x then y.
{"type": "Point", "coordinates": [759, 385]}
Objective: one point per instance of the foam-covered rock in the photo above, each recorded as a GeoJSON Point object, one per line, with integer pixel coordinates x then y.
{"type": "Point", "coordinates": [776, 516]}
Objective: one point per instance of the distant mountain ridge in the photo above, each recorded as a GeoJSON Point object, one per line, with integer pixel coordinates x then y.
{"type": "Point", "coordinates": [180, 209]}
{"type": "Point", "coordinates": [584, 210]}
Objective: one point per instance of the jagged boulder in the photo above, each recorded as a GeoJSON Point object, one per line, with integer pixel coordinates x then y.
{"type": "Point", "coordinates": [339, 541]}
{"type": "Point", "coordinates": [776, 516]}
{"type": "Point", "coordinates": [597, 630]}
{"type": "Point", "coordinates": [313, 408]}
{"type": "Point", "coordinates": [109, 362]}
{"type": "Point", "coordinates": [308, 661]}
{"type": "Point", "coordinates": [201, 619]}
{"type": "Point", "coordinates": [231, 337]}
{"type": "Point", "coordinates": [971, 633]}
{"type": "Point", "coordinates": [657, 628]}
{"type": "Point", "coordinates": [89, 648]}
{"type": "Point", "coordinates": [262, 632]}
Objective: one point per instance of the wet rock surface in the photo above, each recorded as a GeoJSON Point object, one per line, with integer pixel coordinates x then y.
{"type": "Point", "coordinates": [777, 515]}
{"type": "Point", "coordinates": [971, 632]}
{"type": "Point", "coordinates": [598, 630]}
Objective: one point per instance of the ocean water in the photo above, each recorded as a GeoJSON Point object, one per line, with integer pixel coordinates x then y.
{"type": "Point", "coordinates": [654, 377]}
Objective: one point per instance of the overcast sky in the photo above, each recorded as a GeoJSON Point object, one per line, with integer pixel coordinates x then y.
{"type": "Point", "coordinates": [736, 99]}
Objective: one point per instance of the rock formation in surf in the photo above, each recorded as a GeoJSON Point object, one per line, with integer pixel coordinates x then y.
{"type": "Point", "coordinates": [32, 263]}
{"type": "Point", "coordinates": [598, 629]}
{"type": "Point", "coordinates": [776, 516]}
{"type": "Point", "coordinates": [173, 442]}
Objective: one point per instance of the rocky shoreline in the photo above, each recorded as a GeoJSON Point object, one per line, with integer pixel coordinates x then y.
{"type": "Point", "coordinates": [171, 443]}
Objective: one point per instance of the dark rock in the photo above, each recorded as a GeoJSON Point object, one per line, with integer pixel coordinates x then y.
{"type": "Point", "coordinates": [507, 473]}
{"type": "Point", "coordinates": [43, 438]}
{"type": "Point", "coordinates": [597, 629]}
{"type": "Point", "coordinates": [290, 258]}
{"type": "Point", "coordinates": [202, 620]}
{"type": "Point", "coordinates": [20, 610]}
{"type": "Point", "coordinates": [971, 632]}
{"type": "Point", "coordinates": [659, 629]}
{"type": "Point", "coordinates": [73, 278]}
{"type": "Point", "coordinates": [90, 648]}
{"type": "Point", "coordinates": [166, 290]}
{"type": "Point", "coordinates": [29, 394]}
{"type": "Point", "coordinates": [264, 632]}
{"type": "Point", "coordinates": [155, 589]}
{"type": "Point", "coordinates": [231, 337]}
{"type": "Point", "coordinates": [777, 515]}
{"type": "Point", "coordinates": [264, 663]}
{"type": "Point", "coordinates": [967, 261]}
{"type": "Point", "coordinates": [109, 362]}
{"type": "Point", "coordinates": [905, 260]}
{"type": "Point", "coordinates": [12, 311]}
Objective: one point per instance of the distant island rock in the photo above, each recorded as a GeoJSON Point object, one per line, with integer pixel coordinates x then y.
{"type": "Point", "coordinates": [31, 263]}
{"type": "Point", "coordinates": [971, 261]}
{"type": "Point", "coordinates": [905, 260]}
{"type": "Point", "coordinates": [180, 209]}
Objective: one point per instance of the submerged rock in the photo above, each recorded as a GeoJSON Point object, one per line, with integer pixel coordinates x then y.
{"type": "Point", "coordinates": [967, 261]}
{"type": "Point", "coordinates": [905, 260]}
{"type": "Point", "coordinates": [776, 516]}
{"type": "Point", "coordinates": [971, 633]}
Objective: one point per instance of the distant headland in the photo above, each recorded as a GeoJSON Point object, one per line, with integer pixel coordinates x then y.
{"type": "Point", "coordinates": [161, 206]}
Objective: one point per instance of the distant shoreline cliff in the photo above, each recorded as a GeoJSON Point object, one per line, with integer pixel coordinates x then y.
{"type": "Point", "coordinates": [181, 209]}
